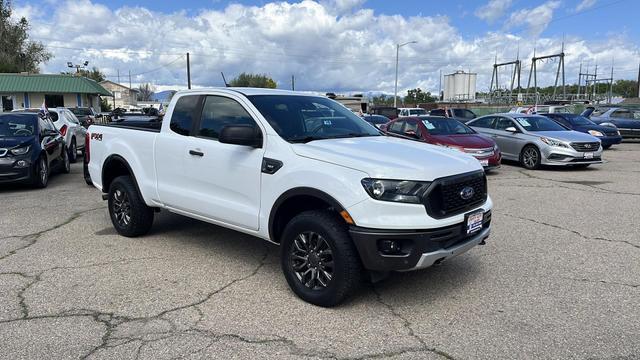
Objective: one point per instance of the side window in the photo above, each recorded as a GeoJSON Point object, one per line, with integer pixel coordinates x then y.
{"type": "Point", "coordinates": [437, 112]}
{"type": "Point", "coordinates": [503, 123]}
{"type": "Point", "coordinates": [54, 116]}
{"type": "Point", "coordinates": [183, 114]}
{"type": "Point", "coordinates": [486, 122]}
{"type": "Point", "coordinates": [623, 114]}
{"type": "Point", "coordinates": [412, 125]}
{"type": "Point", "coordinates": [396, 127]}
{"type": "Point", "coordinates": [219, 112]}
{"type": "Point", "coordinates": [71, 117]}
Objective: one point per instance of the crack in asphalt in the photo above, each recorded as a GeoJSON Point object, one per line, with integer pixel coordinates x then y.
{"type": "Point", "coordinates": [33, 238]}
{"type": "Point", "coordinates": [571, 230]}
{"type": "Point", "coordinates": [407, 325]}
{"type": "Point", "coordinates": [599, 189]}
{"type": "Point", "coordinates": [635, 286]}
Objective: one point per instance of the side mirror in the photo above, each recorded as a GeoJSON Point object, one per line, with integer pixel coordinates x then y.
{"type": "Point", "coordinates": [241, 135]}
{"type": "Point", "coordinates": [511, 129]}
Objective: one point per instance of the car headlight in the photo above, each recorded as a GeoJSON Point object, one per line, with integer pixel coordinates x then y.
{"type": "Point", "coordinates": [553, 142]}
{"type": "Point", "coordinates": [595, 133]}
{"type": "Point", "coordinates": [396, 190]}
{"type": "Point", "coordinates": [21, 150]}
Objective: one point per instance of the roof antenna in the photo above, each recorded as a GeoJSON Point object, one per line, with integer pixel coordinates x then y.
{"type": "Point", "coordinates": [223, 79]}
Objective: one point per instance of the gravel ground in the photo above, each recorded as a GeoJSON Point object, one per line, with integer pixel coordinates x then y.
{"type": "Point", "coordinates": [558, 278]}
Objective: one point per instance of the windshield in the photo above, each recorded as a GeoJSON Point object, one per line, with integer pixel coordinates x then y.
{"type": "Point", "coordinates": [306, 118]}
{"type": "Point", "coordinates": [81, 111]}
{"type": "Point", "coordinates": [416, 112]}
{"type": "Point", "coordinates": [539, 123]}
{"type": "Point", "coordinates": [580, 120]}
{"type": "Point", "coordinates": [17, 125]}
{"type": "Point", "coordinates": [376, 119]}
{"type": "Point", "coordinates": [443, 126]}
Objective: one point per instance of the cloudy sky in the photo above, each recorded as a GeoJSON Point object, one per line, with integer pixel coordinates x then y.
{"type": "Point", "coordinates": [333, 45]}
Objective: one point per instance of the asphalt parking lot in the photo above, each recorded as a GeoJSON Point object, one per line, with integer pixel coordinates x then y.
{"type": "Point", "coordinates": [558, 278]}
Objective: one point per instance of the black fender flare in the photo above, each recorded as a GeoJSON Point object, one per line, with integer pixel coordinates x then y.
{"type": "Point", "coordinates": [120, 159]}
{"type": "Point", "coordinates": [307, 191]}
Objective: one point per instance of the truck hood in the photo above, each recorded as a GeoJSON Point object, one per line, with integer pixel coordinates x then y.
{"type": "Point", "coordinates": [390, 158]}
{"type": "Point", "coordinates": [567, 135]}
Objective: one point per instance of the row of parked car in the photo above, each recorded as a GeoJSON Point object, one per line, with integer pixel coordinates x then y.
{"type": "Point", "coordinates": [532, 136]}
{"type": "Point", "coordinates": [34, 143]}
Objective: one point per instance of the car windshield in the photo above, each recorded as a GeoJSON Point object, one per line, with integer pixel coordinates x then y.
{"type": "Point", "coordinates": [579, 120]}
{"type": "Point", "coordinates": [307, 118]}
{"type": "Point", "coordinates": [444, 126]}
{"type": "Point", "coordinates": [376, 119]}
{"type": "Point", "coordinates": [17, 125]}
{"type": "Point", "coordinates": [539, 123]}
{"type": "Point", "coordinates": [416, 112]}
{"type": "Point", "coordinates": [81, 111]}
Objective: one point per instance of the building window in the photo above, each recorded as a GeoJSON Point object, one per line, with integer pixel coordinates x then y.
{"type": "Point", "coordinates": [7, 103]}
{"type": "Point", "coordinates": [54, 101]}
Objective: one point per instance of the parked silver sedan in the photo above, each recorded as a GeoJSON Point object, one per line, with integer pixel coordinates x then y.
{"type": "Point", "coordinates": [535, 140]}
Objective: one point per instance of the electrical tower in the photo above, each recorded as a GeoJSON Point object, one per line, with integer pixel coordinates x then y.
{"type": "Point", "coordinates": [534, 72]}
{"type": "Point", "coordinates": [515, 78]}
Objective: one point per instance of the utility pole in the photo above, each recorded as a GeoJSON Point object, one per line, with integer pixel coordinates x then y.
{"type": "Point", "coordinates": [639, 80]}
{"type": "Point", "coordinates": [129, 79]}
{"type": "Point", "coordinates": [395, 93]}
{"type": "Point", "coordinates": [293, 83]}
{"type": "Point", "coordinates": [118, 76]}
{"type": "Point", "coordinates": [440, 85]}
{"type": "Point", "coordinates": [188, 72]}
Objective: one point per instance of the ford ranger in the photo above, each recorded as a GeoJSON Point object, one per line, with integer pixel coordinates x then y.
{"type": "Point", "coordinates": [301, 171]}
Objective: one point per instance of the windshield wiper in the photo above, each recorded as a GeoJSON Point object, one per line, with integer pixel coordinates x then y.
{"type": "Point", "coordinates": [306, 139]}
{"type": "Point", "coordinates": [349, 135]}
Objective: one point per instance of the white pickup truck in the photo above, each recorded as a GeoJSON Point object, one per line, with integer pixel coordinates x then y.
{"type": "Point", "coordinates": [300, 171]}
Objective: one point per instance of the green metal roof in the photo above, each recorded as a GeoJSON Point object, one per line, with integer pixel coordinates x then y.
{"type": "Point", "coordinates": [49, 83]}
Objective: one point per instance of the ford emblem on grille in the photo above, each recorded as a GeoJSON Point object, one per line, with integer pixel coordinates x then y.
{"type": "Point", "coordinates": [467, 193]}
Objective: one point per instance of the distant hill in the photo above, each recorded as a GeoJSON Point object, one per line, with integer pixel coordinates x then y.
{"type": "Point", "coordinates": [162, 95]}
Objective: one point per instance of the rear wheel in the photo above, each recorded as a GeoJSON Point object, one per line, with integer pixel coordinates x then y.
{"type": "Point", "coordinates": [41, 173]}
{"type": "Point", "coordinates": [85, 172]}
{"type": "Point", "coordinates": [129, 214]}
{"type": "Point", "coordinates": [319, 259]}
{"type": "Point", "coordinates": [66, 164]}
{"type": "Point", "coordinates": [73, 151]}
{"type": "Point", "coordinates": [530, 157]}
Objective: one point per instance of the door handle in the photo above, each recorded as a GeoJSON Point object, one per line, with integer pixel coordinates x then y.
{"type": "Point", "coordinates": [196, 153]}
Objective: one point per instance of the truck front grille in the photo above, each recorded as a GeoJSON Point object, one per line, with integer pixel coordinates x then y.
{"type": "Point", "coordinates": [445, 196]}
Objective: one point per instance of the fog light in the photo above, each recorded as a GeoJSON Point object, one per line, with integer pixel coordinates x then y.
{"type": "Point", "coordinates": [389, 247]}
{"type": "Point", "coordinates": [22, 163]}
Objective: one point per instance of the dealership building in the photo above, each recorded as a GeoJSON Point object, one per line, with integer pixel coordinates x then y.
{"type": "Point", "coordinates": [56, 90]}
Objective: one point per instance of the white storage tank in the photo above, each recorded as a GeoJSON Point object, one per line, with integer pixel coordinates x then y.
{"type": "Point", "coordinates": [460, 86]}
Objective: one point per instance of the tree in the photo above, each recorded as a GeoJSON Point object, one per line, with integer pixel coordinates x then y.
{"type": "Point", "coordinates": [104, 104]}
{"type": "Point", "coordinates": [253, 80]}
{"type": "Point", "coordinates": [417, 96]}
{"type": "Point", "coordinates": [93, 74]}
{"type": "Point", "coordinates": [145, 92]}
{"type": "Point", "coordinates": [17, 53]}
{"type": "Point", "coordinates": [626, 88]}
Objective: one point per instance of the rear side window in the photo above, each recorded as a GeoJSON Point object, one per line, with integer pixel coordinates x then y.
{"type": "Point", "coordinates": [486, 122]}
{"type": "Point", "coordinates": [219, 112]}
{"type": "Point", "coordinates": [396, 127]}
{"type": "Point", "coordinates": [183, 114]}
{"type": "Point", "coordinates": [503, 124]}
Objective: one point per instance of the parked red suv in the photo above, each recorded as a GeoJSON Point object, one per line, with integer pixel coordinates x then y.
{"type": "Point", "coordinates": [447, 132]}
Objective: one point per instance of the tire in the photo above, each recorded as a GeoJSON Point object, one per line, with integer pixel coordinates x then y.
{"type": "Point", "coordinates": [530, 157]}
{"type": "Point", "coordinates": [66, 162]}
{"type": "Point", "coordinates": [73, 151]}
{"type": "Point", "coordinates": [41, 173]}
{"type": "Point", "coordinates": [606, 147]}
{"type": "Point", "coordinates": [327, 234]}
{"type": "Point", "coordinates": [129, 214]}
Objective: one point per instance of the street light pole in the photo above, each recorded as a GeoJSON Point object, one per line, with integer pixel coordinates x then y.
{"type": "Point", "coordinates": [395, 93]}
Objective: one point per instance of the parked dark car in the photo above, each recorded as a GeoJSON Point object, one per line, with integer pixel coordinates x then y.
{"type": "Point", "coordinates": [30, 148]}
{"type": "Point", "coordinates": [608, 135]}
{"type": "Point", "coordinates": [450, 133]}
{"type": "Point", "coordinates": [627, 121]}
{"type": "Point", "coordinates": [376, 120]}
{"type": "Point", "coordinates": [85, 115]}
{"type": "Point", "coordinates": [463, 114]}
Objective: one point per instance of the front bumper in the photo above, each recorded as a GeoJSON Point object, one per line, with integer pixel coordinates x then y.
{"type": "Point", "coordinates": [9, 172]}
{"type": "Point", "coordinates": [419, 248]}
{"type": "Point", "coordinates": [610, 140]}
{"type": "Point", "coordinates": [568, 156]}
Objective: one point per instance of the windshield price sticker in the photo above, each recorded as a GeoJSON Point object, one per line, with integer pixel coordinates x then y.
{"type": "Point", "coordinates": [523, 122]}
{"type": "Point", "coordinates": [327, 122]}
{"type": "Point", "coordinates": [428, 125]}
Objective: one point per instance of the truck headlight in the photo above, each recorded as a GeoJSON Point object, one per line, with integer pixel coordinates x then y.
{"type": "Point", "coordinates": [553, 142]}
{"type": "Point", "coordinates": [396, 190]}
{"type": "Point", "coordinates": [596, 133]}
{"type": "Point", "coordinates": [21, 150]}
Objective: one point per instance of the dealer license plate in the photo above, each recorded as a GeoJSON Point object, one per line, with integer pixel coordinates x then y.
{"type": "Point", "coordinates": [484, 162]}
{"type": "Point", "coordinates": [474, 221]}
{"type": "Point", "coordinates": [588, 155]}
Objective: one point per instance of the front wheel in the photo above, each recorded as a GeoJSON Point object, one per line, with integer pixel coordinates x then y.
{"type": "Point", "coordinates": [319, 259]}
{"type": "Point", "coordinates": [66, 163]}
{"type": "Point", "coordinates": [606, 147]}
{"type": "Point", "coordinates": [73, 151]}
{"type": "Point", "coordinates": [41, 173]}
{"type": "Point", "coordinates": [129, 214]}
{"type": "Point", "coordinates": [530, 157]}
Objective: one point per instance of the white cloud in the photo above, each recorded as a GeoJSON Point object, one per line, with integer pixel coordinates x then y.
{"type": "Point", "coordinates": [536, 19]}
{"type": "Point", "coordinates": [327, 47]}
{"type": "Point", "coordinates": [584, 5]}
{"type": "Point", "coordinates": [493, 10]}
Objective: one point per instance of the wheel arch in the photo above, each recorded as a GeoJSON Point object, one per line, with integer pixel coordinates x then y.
{"type": "Point", "coordinates": [114, 166]}
{"type": "Point", "coordinates": [295, 201]}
